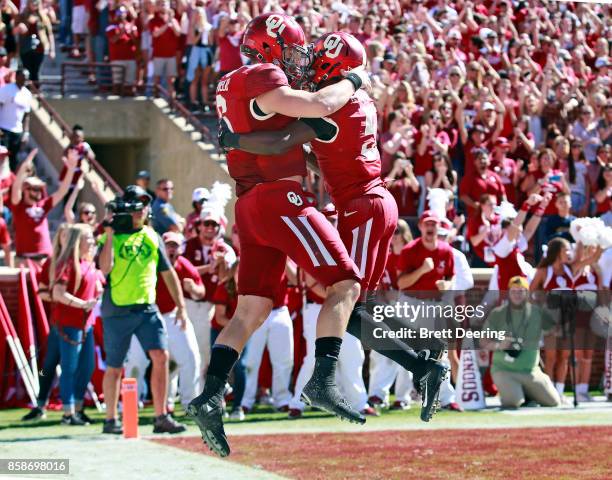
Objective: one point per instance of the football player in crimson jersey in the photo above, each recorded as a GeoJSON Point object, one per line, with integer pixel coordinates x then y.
{"type": "Point", "coordinates": [277, 218]}
{"type": "Point", "coordinates": [345, 144]}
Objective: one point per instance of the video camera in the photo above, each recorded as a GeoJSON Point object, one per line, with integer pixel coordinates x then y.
{"type": "Point", "coordinates": [135, 199]}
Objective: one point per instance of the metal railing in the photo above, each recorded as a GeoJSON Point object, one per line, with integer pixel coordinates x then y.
{"type": "Point", "coordinates": [77, 78]}
{"type": "Point", "coordinates": [67, 132]}
{"type": "Point", "coordinates": [97, 77]}
{"type": "Point", "coordinates": [191, 118]}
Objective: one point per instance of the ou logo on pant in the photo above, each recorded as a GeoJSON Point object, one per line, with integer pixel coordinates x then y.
{"type": "Point", "coordinates": [295, 199]}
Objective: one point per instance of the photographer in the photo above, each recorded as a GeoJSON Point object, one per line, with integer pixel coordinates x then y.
{"type": "Point", "coordinates": [515, 369]}
{"type": "Point", "coordinates": [131, 257]}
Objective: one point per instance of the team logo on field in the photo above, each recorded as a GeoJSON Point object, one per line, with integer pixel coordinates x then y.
{"type": "Point", "coordinates": [295, 199]}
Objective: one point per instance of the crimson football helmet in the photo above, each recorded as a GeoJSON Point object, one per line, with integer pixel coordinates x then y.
{"type": "Point", "coordinates": [334, 52]}
{"type": "Point", "coordinates": [277, 38]}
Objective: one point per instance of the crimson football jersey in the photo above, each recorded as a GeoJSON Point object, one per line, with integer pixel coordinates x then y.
{"type": "Point", "coordinates": [236, 94]}
{"type": "Point", "coordinates": [348, 154]}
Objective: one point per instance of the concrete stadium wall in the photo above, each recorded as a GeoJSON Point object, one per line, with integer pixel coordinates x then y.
{"type": "Point", "coordinates": [135, 134]}
{"type": "Point", "coordinates": [51, 143]}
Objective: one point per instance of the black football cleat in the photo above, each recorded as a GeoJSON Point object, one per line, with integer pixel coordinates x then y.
{"type": "Point", "coordinates": [209, 417]}
{"type": "Point", "coordinates": [428, 383]}
{"type": "Point", "coordinates": [328, 398]}
{"type": "Point", "coordinates": [426, 354]}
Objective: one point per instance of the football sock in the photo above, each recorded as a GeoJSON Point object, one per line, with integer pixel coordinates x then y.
{"type": "Point", "coordinates": [328, 347]}
{"type": "Point", "coordinates": [222, 360]}
{"type": "Point", "coordinates": [361, 325]}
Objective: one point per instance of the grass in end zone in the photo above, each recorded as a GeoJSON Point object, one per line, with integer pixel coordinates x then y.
{"type": "Point", "coordinates": [542, 453]}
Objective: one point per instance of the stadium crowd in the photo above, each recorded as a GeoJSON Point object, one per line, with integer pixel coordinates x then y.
{"type": "Point", "coordinates": [494, 124]}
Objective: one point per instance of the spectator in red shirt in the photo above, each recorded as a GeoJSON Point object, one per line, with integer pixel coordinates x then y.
{"type": "Point", "coordinates": [429, 141]}
{"type": "Point", "coordinates": [545, 180]}
{"type": "Point", "coordinates": [483, 181]}
{"type": "Point", "coordinates": [84, 151]}
{"type": "Point", "coordinates": [441, 174]}
{"type": "Point", "coordinates": [198, 197]}
{"type": "Point", "coordinates": [426, 264]}
{"type": "Point", "coordinates": [165, 31]}
{"type": "Point", "coordinates": [122, 43]}
{"type": "Point", "coordinates": [229, 38]}
{"type": "Point", "coordinates": [484, 230]}
{"type": "Point", "coordinates": [506, 168]}
{"type": "Point", "coordinates": [76, 288]}
{"type": "Point", "coordinates": [399, 138]}
{"type": "Point", "coordinates": [404, 186]}
{"type": "Point", "coordinates": [182, 343]}
{"type": "Point", "coordinates": [603, 195]}
{"type": "Point", "coordinates": [30, 209]}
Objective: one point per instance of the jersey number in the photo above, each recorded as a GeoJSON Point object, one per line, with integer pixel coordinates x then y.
{"type": "Point", "coordinates": [222, 103]}
{"type": "Point", "coordinates": [221, 110]}
{"type": "Point", "coordinates": [275, 22]}
{"type": "Point", "coordinates": [369, 149]}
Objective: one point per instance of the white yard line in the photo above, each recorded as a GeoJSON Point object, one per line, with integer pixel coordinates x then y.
{"type": "Point", "coordinates": [112, 458]}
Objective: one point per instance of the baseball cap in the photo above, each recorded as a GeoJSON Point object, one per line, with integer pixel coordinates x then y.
{"type": "Point", "coordinates": [478, 127]}
{"type": "Point", "coordinates": [389, 57]}
{"type": "Point", "coordinates": [144, 174]}
{"type": "Point", "coordinates": [174, 237]}
{"type": "Point", "coordinates": [208, 215]}
{"type": "Point", "coordinates": [454, 34]}
{"type": "Point", "coordinates": [455, 70]}
{"type": "Point", "coordinates": [518, 281]}
{"type": "Point", "coordinates": [488, 106]}
{"type": "Point", "coordinates": [429, 215]}
{"type": "Point", "coordinates": [134, 192]}
{"type": "Point", "coordinates": [502, 142]}
{"type": "Point", "coordinates": [200, 194]}
{"type": "Point", "coordinates": [3, 52]}
{"type": "Point", "coordinates": [34, 182]}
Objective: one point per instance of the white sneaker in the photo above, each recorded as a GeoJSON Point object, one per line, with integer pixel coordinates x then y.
{"type": "Point", "coordinates": [237, 414]}
{"type": "Point", "coordinates": [584, 397]}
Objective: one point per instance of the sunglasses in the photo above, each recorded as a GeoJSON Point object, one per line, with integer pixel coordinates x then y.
{"type": "Point", "coordinates": [397, 232]}
{"type": "Point", "coordinates": [167, 189]}
{"type": "Point", "coordinates": [33, 189]}
{"type": "Point", "coordinates": [88, 212]}
{"type": "Point", "coordinates": [210, 223]}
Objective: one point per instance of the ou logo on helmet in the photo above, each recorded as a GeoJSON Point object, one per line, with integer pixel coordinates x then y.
{"type": "Point", "coordinates": [275, 22]}
{"type": "Point", "coordinates": [333, 44]}
{"type": "Point", "coordinates": [295, 199]}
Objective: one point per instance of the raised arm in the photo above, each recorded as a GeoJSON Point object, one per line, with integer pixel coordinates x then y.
{"type": "Point", "coordinates": [69, 207]}
{"type": "Point", "coordinates": [17, 189]}
{"type": "Point", "coordinates": [72, 160]}
{"type": "Point", "coordinates": [298, 103]}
